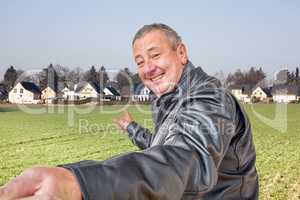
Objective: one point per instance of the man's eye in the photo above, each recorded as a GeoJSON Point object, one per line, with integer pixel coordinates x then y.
{"type": "Point", "coordinates": [155, 56]}
{"type": "Point", "coordinates": [139, 63]}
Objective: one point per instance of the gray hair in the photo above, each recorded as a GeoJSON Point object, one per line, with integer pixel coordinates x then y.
{"type": "Point", "coordinates": [170, 33]}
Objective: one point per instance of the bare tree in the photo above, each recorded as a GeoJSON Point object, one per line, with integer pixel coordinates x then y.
{"type": "Point", "coordinates": [251, 77]}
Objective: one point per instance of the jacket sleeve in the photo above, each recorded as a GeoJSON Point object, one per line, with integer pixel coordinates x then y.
{"type": "Point", "coordinates": [185, 163]}
{"type": "Point", "coordinates": [140, 136]}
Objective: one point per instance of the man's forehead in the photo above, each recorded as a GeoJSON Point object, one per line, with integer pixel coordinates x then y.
{"type": "Point", "coordinates": [155, 36]}
{"type": "Point", "coordinates": [151, 42]}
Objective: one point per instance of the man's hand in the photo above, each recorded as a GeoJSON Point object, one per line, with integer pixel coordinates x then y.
{"type": "Point", "coordinates": [124, 120]}
{"type": "Point", "coordinates": [42, 183]}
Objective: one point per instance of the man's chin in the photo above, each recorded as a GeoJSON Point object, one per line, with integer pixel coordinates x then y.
{"type": "Point", "coordinates": [160, 91]}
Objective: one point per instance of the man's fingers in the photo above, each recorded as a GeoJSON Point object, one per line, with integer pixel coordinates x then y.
{"type": "Point", "coordinates": [123, 121]}
{"type": "Point", "coordinates": [122, 124]}
{"type": "Point", "coordinates": [16, 188]}
{"type": "Point", "coordinates": [39, 197]}
{"type": "Point", "coordinates": [127, 115]}
{"type": "Point", "coordinates": [3, 193]}
{"type": "Point", "coordinates": [32, 198]}
{"type": "Point", "coordinates": [21, 186]}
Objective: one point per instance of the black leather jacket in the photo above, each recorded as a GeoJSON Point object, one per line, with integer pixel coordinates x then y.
{"type": "Point", "coordinates": [202, 149]}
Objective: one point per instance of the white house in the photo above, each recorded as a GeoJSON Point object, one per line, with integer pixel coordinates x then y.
{"type": "Point", "coordinates": [262, 94]}
{"type": "Point", "coordinates": [69, 93]}
{"type": "Point", "coordinates": [88, 90]}
{"type": "Point", "coordinates": [111, 93]}
{"type": "Point", "coordinates": [285, 93]}
{"type": "Point", "coordinates": [49, 94]}
{"type": "Point", "coordinates": [142, 93]}
{"type": "Point", "coordinates": [25, 93]}
{"type": "Point", "coordinates": [241, 93]}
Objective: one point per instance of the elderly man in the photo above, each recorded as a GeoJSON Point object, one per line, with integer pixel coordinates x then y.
{"type": "Point", "coordinates": [202, 147]}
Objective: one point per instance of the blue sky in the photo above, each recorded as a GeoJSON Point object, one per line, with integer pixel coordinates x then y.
{"type": "Point", "coordinates": [220, 35]}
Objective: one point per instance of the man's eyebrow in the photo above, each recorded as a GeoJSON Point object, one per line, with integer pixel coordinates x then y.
{"type": "Point", "coordinates": [148, 50]}
{"type": "Point", "coordinates": [152, 48]}
{"type": "Point", "coordinates": [137, 56]}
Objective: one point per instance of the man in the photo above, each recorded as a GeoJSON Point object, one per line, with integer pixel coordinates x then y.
{"type": "Point", "coordinates": [202, 147]}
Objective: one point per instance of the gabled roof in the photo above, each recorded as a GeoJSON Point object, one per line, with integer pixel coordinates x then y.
{"type": "Point", "coordinates": [65, 89]}
{"type": "Point", "coordinates": [93, 84]}
{"type": "Point", "coordinates": [113, 91]}
{"type": "Point", "coordinates": [2, 87]}
{"type": "Point", "coordinates": [246, 89]}
{"type": "Point", "coordinates": [69, 86]}
{"type": "Point", "coordinates": [3, 92]}
{"type": "Point", "coordinates": [96, 86]}
{"type": "Point", "coordinates": [52, 88]}
{"type": "Point", "coordinates": [30, 86]}
{"type": "Point", "coordinates": [266, 90]}
{"type": "Point", "coordinates": [139, 89]}
{"type": "Point", "coordinates": [113, 84]}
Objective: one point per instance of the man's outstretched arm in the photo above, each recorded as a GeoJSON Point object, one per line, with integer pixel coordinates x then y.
{"type": "Point", "coordinates": [158, 173]}
{"type": "Point", "coordinates": [186, 163]}
{"type": "Point", "coordinates": [140, 136]}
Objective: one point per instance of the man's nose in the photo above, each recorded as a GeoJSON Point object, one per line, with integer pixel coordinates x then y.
{"type": "Point", "coordinates": [149, 69]}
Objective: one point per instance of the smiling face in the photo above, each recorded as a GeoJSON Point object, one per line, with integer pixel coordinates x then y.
{"type": "Point", "coordinates": [159, 65]}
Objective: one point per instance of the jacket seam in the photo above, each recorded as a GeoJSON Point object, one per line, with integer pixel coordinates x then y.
{"type": "Point", "coordinates": [242, 185]}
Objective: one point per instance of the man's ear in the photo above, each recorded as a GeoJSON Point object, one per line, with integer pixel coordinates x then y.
{"type": "Point", "coordinates": [182, 53]}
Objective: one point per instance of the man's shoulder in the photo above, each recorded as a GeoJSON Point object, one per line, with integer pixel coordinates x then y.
{"type": "Point", "coordinates": [201, 80]}
{"type": "Point", "coordinates": [208, 91]}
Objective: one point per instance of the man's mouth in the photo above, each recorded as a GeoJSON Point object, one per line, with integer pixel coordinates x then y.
{"type": "Point", "coordinates": [157, 78]}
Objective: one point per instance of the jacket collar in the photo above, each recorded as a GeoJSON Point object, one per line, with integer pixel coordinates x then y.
{"type": "Point", "coordinates": [181, 87]}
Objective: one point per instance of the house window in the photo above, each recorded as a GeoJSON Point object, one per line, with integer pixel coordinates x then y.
{"type": "Point", "coordinates": [15, 90]}
{"type": "Point", "coordinates": [21, 90]}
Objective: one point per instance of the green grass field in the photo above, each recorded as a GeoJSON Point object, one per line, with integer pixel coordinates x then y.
{"type": "Point", "coordinates": [55, 137]}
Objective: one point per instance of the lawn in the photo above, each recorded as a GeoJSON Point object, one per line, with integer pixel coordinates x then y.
{"type": "Point", "coordinates": [67, 134]}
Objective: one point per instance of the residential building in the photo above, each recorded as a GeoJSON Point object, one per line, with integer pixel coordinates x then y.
{"type": "Point", "coordinates": [262, 94]}
{"type": "Point", "coordinates": [88, 90]}
{"type": "Point", "coordinates": [69, 94]}
{"type": "Point", "coordinates": [242, 92]}
{"type": "Point", "coordinates": [110, 93]}
{"type": "Point", "coordinates": [142, 93]}
{"type": "Point", "coordinates": [285, 93]}
{"type": "Point", "coordinates": [49, 94]}
{"type": "Point", "coordinates": [25, 93]}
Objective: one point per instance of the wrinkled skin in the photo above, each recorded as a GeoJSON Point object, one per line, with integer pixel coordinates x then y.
{"type": "Point", "coordinates": [159, 65]}
{"type": "Point", "coordinates": [42, 183]}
